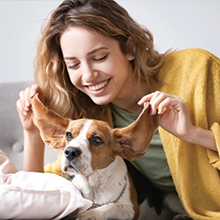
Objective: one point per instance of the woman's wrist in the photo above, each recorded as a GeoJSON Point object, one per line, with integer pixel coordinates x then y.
{"type": "Point", "coordinates": [33, 151]}
{"type": "Point", "coordinates": [201, 137]}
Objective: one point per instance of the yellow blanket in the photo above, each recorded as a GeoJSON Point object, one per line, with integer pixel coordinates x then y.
{"type": "Point", "coordinates": [193, 75]}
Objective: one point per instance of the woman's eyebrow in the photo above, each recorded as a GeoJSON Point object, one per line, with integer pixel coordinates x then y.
{"type": "Point", "coordinates": [97, 49]}
{"type": "Point", "coordinates": [91, 52]}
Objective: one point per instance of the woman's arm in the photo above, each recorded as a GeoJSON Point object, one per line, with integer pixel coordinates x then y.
{"type": "Point", "coordinates": [33, 145]}
{"type": "Point", "coordinates": [174, 118]}
{"type": "Point", "coordinates": [33, 159]}
{"type": "Point", "coordinates": [202, 137]}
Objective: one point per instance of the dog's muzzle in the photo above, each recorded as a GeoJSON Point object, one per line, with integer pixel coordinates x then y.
{"type": "Point", "coordinates": [71, 153]}
{"type": "Point", "coordinates": [73, 161]}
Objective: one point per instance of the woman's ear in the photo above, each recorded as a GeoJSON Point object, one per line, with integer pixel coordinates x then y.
{"type": "Point", "coordinates": [131, 48]}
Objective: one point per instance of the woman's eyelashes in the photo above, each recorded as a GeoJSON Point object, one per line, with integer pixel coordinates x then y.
{"type": "Point", "coordinates": [73, 66]}
{"type": "Point", "coordinates": [76, 65]}
{"type": "Point", "coordinates": [101, 58]}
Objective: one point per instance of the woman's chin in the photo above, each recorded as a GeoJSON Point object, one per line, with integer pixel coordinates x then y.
{"type": "Point", "coordinates": [101, 101]}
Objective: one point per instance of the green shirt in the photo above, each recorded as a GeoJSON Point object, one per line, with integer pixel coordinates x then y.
{"type": "Point", "coordinates": [154, 163]}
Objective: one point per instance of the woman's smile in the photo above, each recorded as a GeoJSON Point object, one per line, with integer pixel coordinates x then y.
{"type": "Point", "coordinates": [99, 86]}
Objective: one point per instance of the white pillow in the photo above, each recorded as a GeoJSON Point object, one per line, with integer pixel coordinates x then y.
{"type": "Point", "coordinates": [30, 195]}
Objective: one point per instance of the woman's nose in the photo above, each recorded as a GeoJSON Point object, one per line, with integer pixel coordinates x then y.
{"type": "Point", "coordinates": [88, 73]}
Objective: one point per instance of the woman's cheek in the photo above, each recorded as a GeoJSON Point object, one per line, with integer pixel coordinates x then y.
{"type": "Point", "coordinates": [73, 78]}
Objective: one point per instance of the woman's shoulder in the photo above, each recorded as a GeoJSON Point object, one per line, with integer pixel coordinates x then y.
{"type": "Point", "coordinates": [181, 65]}
{"type": "Point", "coordinates": [192, 54]}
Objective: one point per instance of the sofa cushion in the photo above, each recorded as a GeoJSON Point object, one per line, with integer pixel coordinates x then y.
{"type": "Point", "coordinates": [30, 195]}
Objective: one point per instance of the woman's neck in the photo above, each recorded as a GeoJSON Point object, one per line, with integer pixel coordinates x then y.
{"type": "Point", "coordinates": [129, 102]}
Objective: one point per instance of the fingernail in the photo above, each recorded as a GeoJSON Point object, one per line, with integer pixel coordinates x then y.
{"type": "Point", "coordinates": [24, 113]}
{"type": "Point", "coordinates": [32, 93]}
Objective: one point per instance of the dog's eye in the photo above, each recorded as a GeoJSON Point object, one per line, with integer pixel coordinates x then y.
{"type": "Point", "coordinates": [96, 140]}
{"type": "Point", "coordinates": [69, 136]}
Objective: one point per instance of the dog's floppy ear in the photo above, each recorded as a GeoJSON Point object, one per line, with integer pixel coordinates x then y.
{"type": "Point", "coordinates": [51, 125]}
{"type": "Point", "coordinates": [133, 141]}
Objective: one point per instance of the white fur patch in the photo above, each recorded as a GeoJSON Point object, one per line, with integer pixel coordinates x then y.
{"type": "Point", "coordinates": [83, 162]}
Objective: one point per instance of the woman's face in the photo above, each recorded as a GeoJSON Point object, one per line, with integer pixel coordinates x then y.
{"type": "Point", "coordinates": [96, 65]}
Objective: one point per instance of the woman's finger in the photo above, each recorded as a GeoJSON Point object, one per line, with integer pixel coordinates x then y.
{"type": "Point", "coordinates": [144, 99]}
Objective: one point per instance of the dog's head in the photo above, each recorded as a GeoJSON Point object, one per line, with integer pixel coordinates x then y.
{"type": "Point", "coordinates": [89, 144]}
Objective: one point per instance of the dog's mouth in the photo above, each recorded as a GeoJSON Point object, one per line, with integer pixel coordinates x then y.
{"type": "Point", "coordinates": [76, 167]}
{"type": "Point", "coordinates": [74, 170]}
{"type": "Point", "coordinates": [70, 170]}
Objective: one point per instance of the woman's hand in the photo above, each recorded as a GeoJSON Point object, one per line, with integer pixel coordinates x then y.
{"type": "Point", "coordinates": [175, 119]}
{"type": "Point", "coordinates": [173, 113]}
{"type": "Point", "coordinates": [24, 107]}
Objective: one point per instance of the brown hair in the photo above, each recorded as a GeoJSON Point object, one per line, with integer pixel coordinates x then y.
{"type": "Point", "coordinates": [107, 18]}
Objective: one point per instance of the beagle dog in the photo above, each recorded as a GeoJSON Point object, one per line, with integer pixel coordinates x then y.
{"type": "Point", "coordinates": [92, 157]}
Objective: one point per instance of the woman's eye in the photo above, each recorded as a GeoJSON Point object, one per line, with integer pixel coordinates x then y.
{"type": "Point", "coordinates": [101, 58]}
{"type": "Point", "coordinates": [73, 66]}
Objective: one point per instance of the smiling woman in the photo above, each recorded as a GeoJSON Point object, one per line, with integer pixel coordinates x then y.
{"type": "Point", "coordinates": [94, 61]}
{"type": "Point", "coordinates": [93, 66]}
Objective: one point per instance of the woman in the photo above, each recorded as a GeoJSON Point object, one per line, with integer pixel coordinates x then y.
{"type": "Point", "coordinates": [93, 60]}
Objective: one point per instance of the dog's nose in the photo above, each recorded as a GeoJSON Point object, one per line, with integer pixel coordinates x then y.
{"type": "Point", "coordinates": [71, 153]}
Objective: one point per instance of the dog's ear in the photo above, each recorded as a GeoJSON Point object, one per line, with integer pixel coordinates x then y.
{"type": "Point", "coordinates": [51, 125]}
{"type": "Point", "coordinates": [133, 141]}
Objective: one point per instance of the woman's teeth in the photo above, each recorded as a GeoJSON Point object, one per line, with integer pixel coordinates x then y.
{"type": "Point", "coordinates": [98, 86]}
